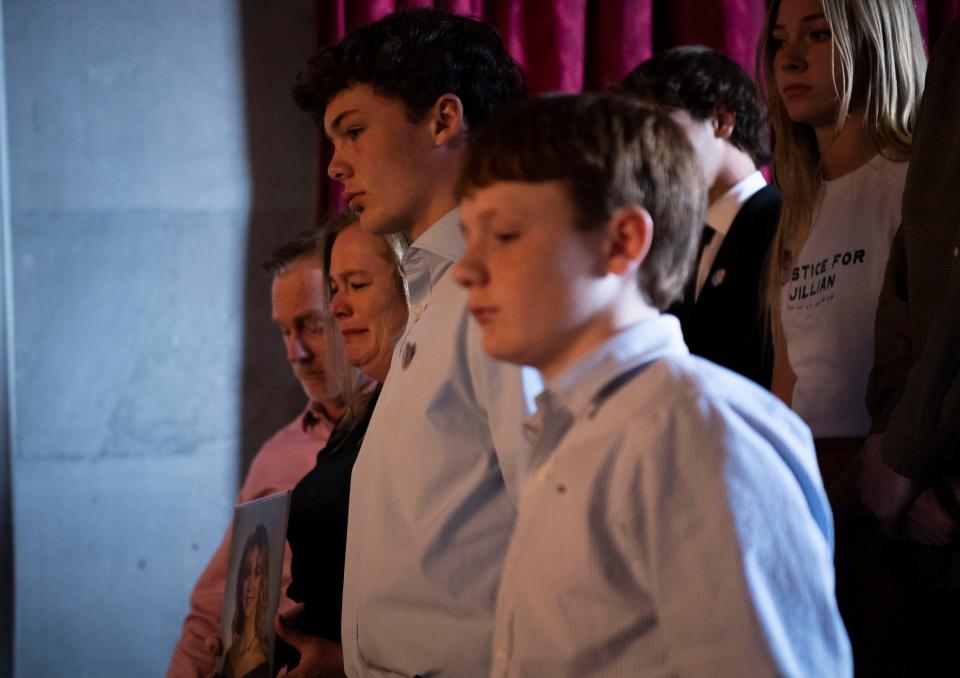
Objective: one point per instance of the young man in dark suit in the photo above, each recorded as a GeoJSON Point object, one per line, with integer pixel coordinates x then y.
{"type": "Point", "coordinates": [716, 103]}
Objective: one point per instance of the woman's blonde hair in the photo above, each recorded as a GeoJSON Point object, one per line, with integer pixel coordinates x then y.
{"type": "Point", "coordinates": [882, 67]}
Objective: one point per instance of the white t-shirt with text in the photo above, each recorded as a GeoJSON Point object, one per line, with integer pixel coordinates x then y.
{"type": "Point", "coordinates": [828, 304]}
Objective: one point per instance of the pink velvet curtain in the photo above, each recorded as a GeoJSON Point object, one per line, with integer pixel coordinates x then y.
{"type": "Point", "coordinates": [575, 45]}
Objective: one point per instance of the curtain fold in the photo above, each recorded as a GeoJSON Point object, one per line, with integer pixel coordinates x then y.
{"type": "Point", "coordinates": [576, 45]}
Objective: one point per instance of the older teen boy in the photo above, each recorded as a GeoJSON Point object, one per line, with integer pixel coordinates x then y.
{"type": "Point", "coordinates": [715, 102]}
{"type": "Point", "coordinates": [674, 522]}
{"type": "Point", "coordinates": [432, 500]}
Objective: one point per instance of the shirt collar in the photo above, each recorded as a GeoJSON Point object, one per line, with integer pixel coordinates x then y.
{"type": "Point", "coordinates": [444, 238]}
{"type": "Point", "coordinates": [429, 257]}
{"type": "Point", "coordinates": [314, 415]}
{"type": "Point", "coordinates": [588, 381]}
{"type": "Point", "coordinates": [720, 214]}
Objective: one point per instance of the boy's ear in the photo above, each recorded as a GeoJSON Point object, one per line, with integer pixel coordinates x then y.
{"type": "Point", "coordinates": [725, 121]}
{"type": "Point", "coordinates": [447, 118]}
{"type": "Point", "coordinates": [629, 236]}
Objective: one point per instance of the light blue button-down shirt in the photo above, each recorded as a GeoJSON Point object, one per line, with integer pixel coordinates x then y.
{"type": "Point", "coordinates": [674, 524]}
{"type": "Point", "coordinates": [432, 501]}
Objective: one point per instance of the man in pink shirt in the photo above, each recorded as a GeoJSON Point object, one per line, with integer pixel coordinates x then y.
{"type": "Point", "coordinates": [300, 311]}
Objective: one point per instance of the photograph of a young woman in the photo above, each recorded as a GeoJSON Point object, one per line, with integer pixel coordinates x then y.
{"type": "Point", "coordinates": [247, 656]}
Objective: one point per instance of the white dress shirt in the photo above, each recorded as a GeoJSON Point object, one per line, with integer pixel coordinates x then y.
{"type": "Point", "coordinates": [676, 526]}
{"type": "Point", "coordinates": [432, 500]}
{"type": "Point", "coordinates": [720, 216]}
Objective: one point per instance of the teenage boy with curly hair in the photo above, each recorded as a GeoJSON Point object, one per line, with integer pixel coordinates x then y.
{"type": "Point", "coordinates": [432, 501]}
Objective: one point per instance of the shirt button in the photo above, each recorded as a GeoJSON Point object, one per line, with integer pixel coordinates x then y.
{"type": "Point", "coordinates": [501, 655]}
{"type": "Point", "coordinates": [417, 311]}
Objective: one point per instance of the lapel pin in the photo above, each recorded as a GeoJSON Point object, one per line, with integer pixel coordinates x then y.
{"type": "Point", "coordinates": [718, 277]}
{"type": "Point", "coordinates": [409, 350]}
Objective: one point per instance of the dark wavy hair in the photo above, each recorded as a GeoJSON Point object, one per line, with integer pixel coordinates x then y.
{"type": "Point", "coordinates": [609, 151]}
{"type": "Point", "coordinates": [416, 56]}
{"type": "Point", "coordinates": [699, 80]}
{"type": "Point", "coordinates": [259, 540]}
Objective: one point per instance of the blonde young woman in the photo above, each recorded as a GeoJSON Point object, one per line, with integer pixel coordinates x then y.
{"type": "Point", "coordinates": [843, 80]}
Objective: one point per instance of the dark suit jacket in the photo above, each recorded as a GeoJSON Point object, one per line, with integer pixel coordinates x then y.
{"type": "Point", "coordinates": [725, 325]}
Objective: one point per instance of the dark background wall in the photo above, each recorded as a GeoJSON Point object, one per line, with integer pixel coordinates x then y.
{"type": "Point", "coordinates": [154, 159]}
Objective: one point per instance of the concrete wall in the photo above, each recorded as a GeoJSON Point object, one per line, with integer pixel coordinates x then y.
{"type": "Point", "coordinates": [6, 402]}
{"type": "Point", "coordinates": [154, 159]}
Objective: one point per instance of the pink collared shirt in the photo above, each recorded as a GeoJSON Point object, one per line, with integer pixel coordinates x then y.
{"type": "Point", "coordinates": [281, 463]}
